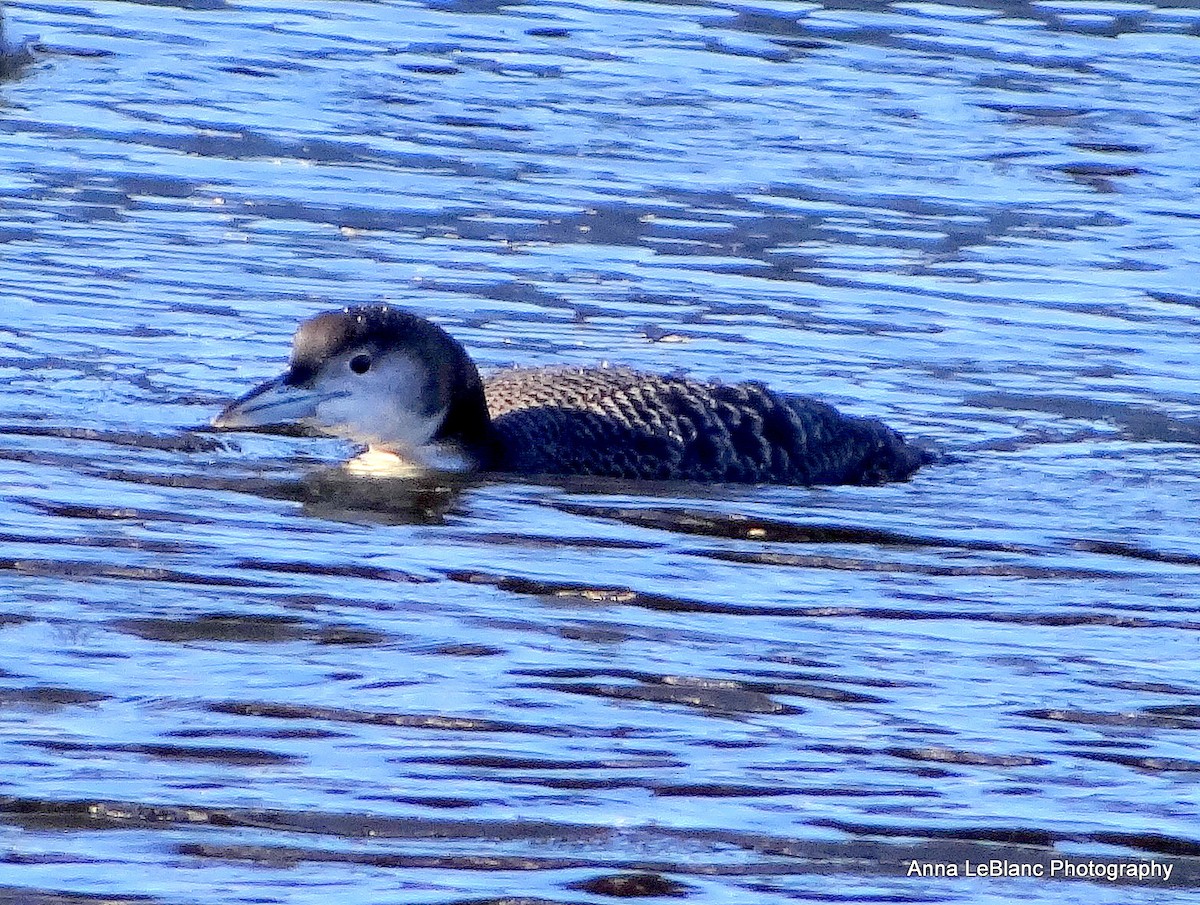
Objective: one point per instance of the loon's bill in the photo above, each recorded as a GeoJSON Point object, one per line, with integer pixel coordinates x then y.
{"type": "Point", "coordinates": [402, 386]}
{"type": "Point", "coordinates": [273, 403]}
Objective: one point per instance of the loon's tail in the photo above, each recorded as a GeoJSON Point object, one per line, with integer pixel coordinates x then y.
{"type": "Point", "coordinates": [846, 449]}
{"type": "Point", "coordinates": [899, 457]}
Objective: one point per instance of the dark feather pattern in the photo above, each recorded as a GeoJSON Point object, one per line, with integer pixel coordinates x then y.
{"type": "Point", "coordinates": [412, 377]}
{"type": "Point", "coordinates": [616, 422]}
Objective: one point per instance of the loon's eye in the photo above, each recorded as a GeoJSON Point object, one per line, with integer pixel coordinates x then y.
{"type": "Point", "coordinates": [360, 364]}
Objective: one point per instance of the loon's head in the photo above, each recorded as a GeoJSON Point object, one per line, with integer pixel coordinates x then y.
{"type": "Point", "coordinates": [380, 376]}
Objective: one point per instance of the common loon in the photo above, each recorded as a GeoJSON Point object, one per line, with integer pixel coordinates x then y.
{"type": "Point", "coordinates": [400, 384]}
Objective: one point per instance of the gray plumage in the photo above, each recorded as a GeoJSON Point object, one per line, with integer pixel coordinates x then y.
{"type": "Point", "coordinates": [398, 382]}
{"type": "Point", "coordinates": [622, 423]}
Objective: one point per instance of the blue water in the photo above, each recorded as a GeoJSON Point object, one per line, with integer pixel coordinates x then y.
{"type": "Point", "coordinates": [233, 674]}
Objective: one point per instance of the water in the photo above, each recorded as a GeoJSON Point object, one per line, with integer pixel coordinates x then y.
{"type": "Point", "coordinates": [231, 674]}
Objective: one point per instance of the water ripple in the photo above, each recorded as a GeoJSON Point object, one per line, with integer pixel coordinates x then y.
{"type": "Point", "coordinates": [970, 219]}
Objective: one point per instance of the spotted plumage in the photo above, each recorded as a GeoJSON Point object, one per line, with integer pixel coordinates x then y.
{"type": "Point", "coordinates": [398, 382]}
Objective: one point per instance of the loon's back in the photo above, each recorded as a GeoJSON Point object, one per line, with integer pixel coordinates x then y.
{"type": "Point", "coordinates": [616, 422]}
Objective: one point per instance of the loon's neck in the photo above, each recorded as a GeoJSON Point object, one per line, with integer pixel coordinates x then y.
{"type": "Point", "coordinates": [467, 426]}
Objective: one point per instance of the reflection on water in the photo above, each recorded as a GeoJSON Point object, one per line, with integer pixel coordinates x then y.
{"type": "Point", "coordinates": [227, 655]}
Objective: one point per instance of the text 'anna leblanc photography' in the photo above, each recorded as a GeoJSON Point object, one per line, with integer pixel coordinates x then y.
{"type": "Point", "coordinates": [1053, 869]}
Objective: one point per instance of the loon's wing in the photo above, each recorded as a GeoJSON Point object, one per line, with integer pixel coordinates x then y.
{"type": "Point", "coordinates": [620, 423]}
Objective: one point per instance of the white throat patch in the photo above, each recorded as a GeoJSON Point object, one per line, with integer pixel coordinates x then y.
{"type": "Point", "coordinates": [384, 463]}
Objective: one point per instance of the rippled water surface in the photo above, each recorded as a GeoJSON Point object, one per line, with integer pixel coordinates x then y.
{"type": "Point", "coordinates": [232, 673]}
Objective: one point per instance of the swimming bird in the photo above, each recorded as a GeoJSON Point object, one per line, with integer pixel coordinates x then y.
{"type": "Point", "coordinates": [398, 383]}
